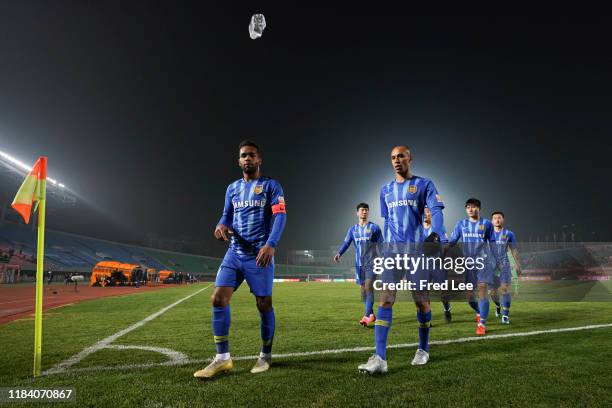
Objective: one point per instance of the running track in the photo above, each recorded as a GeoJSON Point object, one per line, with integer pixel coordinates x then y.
{"type": "Point", "coordinates": [17, 301]}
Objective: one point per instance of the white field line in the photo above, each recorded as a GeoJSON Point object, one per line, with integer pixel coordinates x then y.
{"type": "Point", "coordinates": [175, 357]}
{"type": "Point", "coordinates": [336, 351]}
{"type": "Point", "coordinates": [66, 364]}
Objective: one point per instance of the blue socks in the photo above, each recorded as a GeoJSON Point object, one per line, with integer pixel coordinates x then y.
{"type": "Point", "coordinates": [268, 325]}
{"type": "Point", "coordinates": [505, 304]}
{"type": "Point", "coordinates": [483, 306]}
{"type": "Point", "coordinates": [369, 303]}
{"type": "Point", "coordinates": [424, 319]}
{"type": "Point", "coordinates": [381, 330]}
{"type": "Point", "coordinates": [221, 320]}
{"type": "Point", "coordinates": [495, 299]}
{"type": "Point", "coordinates": [474, 305]}
{"type": "Point", "coordinates": [383, 324]}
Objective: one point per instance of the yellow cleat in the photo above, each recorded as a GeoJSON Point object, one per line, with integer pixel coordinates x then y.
{"type": "Point", "coordinates": [214, 368]}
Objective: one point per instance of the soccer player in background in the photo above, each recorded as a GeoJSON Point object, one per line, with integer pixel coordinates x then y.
{"type": "Point", "coordinates": [504, 240]}
{"type": "Point", "coordinates": [439, 275]}
{"type": "Point", "coordinates": [476, 235]}
{"type": "Point", "coordinates": [402, 204]}
{"type": "Point", "coordinates": [365, 235]}
{"type": "Point", "coordinates": [253, 221]}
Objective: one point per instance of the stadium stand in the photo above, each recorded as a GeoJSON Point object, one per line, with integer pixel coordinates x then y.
{"type": "Point", "coordinates": [67, 252]}
{"type": "Point", "coordinates": [74, 253]}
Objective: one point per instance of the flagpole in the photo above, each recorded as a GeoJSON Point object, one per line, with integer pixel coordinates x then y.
{"type": "Point", "coordinates": [40, 261]}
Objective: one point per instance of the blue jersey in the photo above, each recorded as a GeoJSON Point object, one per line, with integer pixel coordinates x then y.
{"type": "Point", "coordinates": [475, 236]}
{"type": "Point", "coordinates": [402, 206]}
{"type": "Point", "coordinates": [503, 239]}
{"type": "Point", "coordinates": [365, 239]}
{"type": "Point", "coordinates": [426, 230]}
{"type": "Point", "coordinates": [248, 210]}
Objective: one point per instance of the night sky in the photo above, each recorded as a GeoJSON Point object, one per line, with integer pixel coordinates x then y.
{"type": "Point", "coordinates": [140, 109]}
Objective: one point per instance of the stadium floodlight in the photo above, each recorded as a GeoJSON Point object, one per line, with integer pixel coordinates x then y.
{"type": "Point", "coordinates": [21, 165]}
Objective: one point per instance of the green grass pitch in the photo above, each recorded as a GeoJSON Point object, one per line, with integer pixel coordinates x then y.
{"type": "Point", "coordinates": [551, 369]}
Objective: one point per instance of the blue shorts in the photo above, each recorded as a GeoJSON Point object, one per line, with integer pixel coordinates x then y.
{"type": "Point", "coordinates": [415, 276]}
{"type": "Point", "coordinates": [484, 275]}
{"type": "Point", "coordinates": [363, 273]}
{"type": "Point", "coordinates": [235, 269]}
{"type": "Point", "coordinates": [505, 275]}
{"type": "Point", "coordinates": [438, 275]}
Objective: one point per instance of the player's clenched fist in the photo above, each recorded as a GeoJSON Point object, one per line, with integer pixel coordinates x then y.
{"type": "Point", "coordinates": [337, 258]}
{"type": "Point", "coordinates": [222, 232]}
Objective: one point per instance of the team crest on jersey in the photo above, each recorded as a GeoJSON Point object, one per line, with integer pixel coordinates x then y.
{"type": "Point", "coordinates": [481, 227]}
{"type": "Point", "coordinates": [503, 237]}
{"type": "Point", "coordinates": [258, 189]}
{"type": "Point", "coordinates": [412, 189]}
{"type": "Point", "coordinates": [367, 231]}
{"type": "Point", "coordinates": [439, 198]}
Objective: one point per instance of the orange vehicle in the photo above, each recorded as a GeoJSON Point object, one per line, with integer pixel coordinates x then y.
{"type": "Point", "coordinates": [114, 273]}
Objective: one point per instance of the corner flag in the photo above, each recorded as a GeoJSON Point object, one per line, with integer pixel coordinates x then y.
{"type": "Point", "coordinates": [32, 189]}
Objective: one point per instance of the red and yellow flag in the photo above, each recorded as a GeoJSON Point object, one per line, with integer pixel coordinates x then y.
{"type": "Point", "coordinates": [32, 189]}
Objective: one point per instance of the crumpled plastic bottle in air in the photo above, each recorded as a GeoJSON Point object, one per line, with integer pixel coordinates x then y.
{"type": "Point", "coordinates": [257, 26]}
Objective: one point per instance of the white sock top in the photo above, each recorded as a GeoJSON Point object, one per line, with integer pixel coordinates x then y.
{"type": "Point", "coordinates": [222, 356]}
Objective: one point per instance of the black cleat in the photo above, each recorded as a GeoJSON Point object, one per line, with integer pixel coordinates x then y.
{"type": "Point", "coordinates": [448, 317]}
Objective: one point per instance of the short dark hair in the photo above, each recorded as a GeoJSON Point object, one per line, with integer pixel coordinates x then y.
{"type": "Point", "coordinates": [363, 205]}
{"type": "Point", "coordinates": [498, 212]}
{"type": "Point", "coordinates": [249, 143]}
{"type": "Point", "coordinates": [405, 147]}
{"type": "Point", "coordinates": [473, 201]}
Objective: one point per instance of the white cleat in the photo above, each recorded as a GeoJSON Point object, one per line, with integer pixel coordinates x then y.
{"type": "Point", "coordinates": [421, 357]}
{"type": "Point", "coordinates": [262, 365]}
{"type": "Point", "coordinates": [374, 365]}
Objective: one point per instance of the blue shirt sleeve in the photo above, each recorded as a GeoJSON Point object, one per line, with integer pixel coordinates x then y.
{"type": "Point", "coordinates": [384, 211]}
{"type": "Point", "coordinates": [435, 204]}
{"type": "Point", "coordinates": [456, 235]}
{"type": "Point", "coordinates": [276, 195]}
{"type": "Point", "coordinates": [277, 203]}
{"type": "Point", "coordinates": [511, 240]}
{"type": "Point", "coordinates": [432, 197]}
{"type": "Point", "coordinates": [489, 229]}
{"type": "Point", "coordinates": [347, 242]}
{"type": "Point", "coordinates": [228, 210]}
{"type": "Point", "coordinates": [490, 238]}
{"type": "Point", "coordinates": [377, 235]}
